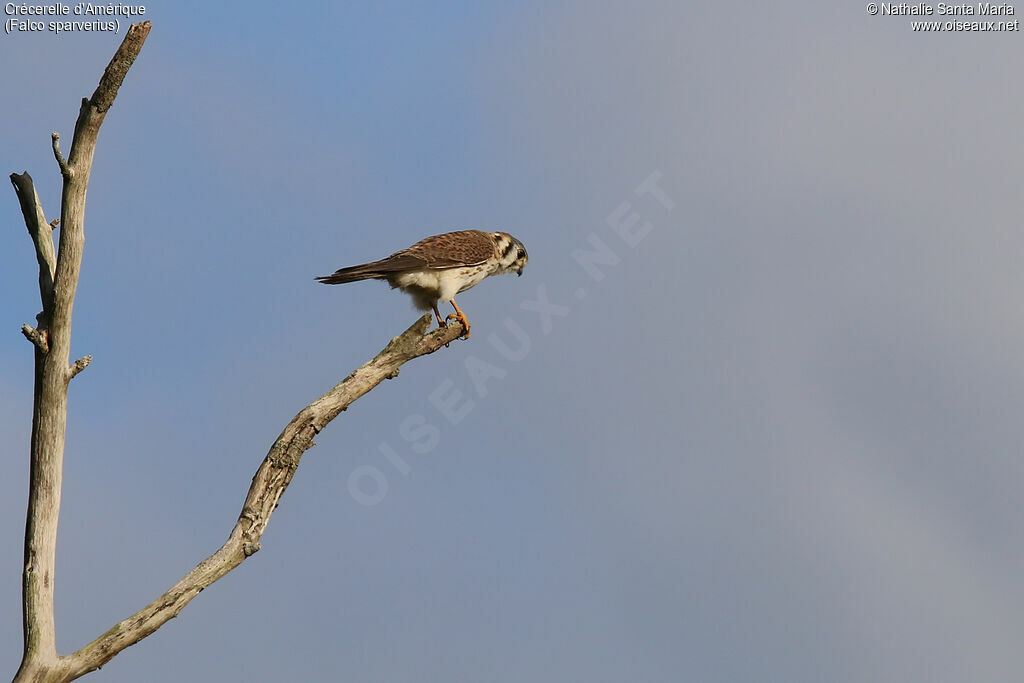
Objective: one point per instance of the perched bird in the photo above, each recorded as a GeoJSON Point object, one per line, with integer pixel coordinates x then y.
{"type": "Point", "coordinates": [439, 267]}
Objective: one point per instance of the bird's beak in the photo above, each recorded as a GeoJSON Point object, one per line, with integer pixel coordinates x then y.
{"type": "Point", "coordinates": [519, 273]}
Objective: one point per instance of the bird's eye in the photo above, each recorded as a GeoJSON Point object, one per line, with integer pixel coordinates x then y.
{"type": "Point", "coordinates": [520, 254]}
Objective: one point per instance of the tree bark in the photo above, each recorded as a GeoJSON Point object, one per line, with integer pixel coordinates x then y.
{"type": "Point", "coordinates": [58, 281]}
{"type": "Point", "coordinates": [51, 339]}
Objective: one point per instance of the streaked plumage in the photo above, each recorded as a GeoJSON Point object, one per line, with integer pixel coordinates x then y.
{"type": "Point", "coordinates": [439, 267]}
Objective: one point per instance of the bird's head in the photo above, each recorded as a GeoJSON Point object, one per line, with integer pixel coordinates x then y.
{"type": "Point", "coordinates": [512, 256]}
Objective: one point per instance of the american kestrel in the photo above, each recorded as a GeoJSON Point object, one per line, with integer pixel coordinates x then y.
{"type": "Point", "coordinates": [439, 267]}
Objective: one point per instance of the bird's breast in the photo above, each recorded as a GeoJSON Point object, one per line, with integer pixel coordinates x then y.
{"type": "Point", "coordinates": [470, 276]}
{"type": "Point", "coordinates": [441, 284]}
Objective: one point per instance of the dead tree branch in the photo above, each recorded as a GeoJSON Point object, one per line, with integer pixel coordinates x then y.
{"type": "Point", "coordinates": [61, 162]}
{"type": "Point", "coordinates": [58, 282]}
{"type": "Point", "coordinates": [41, 233]}
{"type": "Point", "coordinates": [36, 337]}
{"type": "Point", "coordinates": [268, 485]}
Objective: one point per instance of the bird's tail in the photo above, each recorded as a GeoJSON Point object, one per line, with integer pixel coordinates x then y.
{"type": "Point", "coordinates": [364, 271]}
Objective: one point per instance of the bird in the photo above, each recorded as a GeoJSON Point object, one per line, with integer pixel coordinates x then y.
{"type": "Point", "coordinates": [440, 266]}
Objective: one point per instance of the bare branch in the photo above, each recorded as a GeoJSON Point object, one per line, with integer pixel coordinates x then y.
{"type": "Point", "coordinates": [268, 485]}
{"type": "Point", "coordinates": [64, 170]}
{"type": "Point", "coordinates": [79, 365]}
{"type": "Point", "coordinates": [94, 109]}
{"type": "Point", "coordinates": [58, 283]}
{"type": "Point", "coordinates": [36, 337]}
{"type": "Point", "coordinates": [41, 233]}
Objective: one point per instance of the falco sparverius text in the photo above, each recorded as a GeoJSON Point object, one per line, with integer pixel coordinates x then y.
{"type": "Point", "coordinates": [439, 267]}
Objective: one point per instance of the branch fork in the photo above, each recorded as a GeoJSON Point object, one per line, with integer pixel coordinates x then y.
{"type": "Point", "coordinates": [37, 337]}
{"type": "Point", "coordinates": [65, 170]}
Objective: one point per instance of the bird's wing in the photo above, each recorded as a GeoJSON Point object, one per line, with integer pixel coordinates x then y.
{"type": "Point", "coordinates": [450, 250]}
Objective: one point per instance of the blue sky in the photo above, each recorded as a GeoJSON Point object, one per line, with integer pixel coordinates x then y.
{"type": "Point", "coordinates": [777, 440]}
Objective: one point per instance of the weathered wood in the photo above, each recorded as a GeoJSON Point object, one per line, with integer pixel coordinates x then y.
{"type": "Point", "coordinates": [58, 283]}
{"type": "Point", "coordinates": [268, 485]}
{"type": "Point", "coordinates": [41, 233]}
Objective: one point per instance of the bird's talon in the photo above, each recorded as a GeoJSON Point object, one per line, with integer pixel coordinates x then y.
{"type": "Point", "coordinates": [462, 321]}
